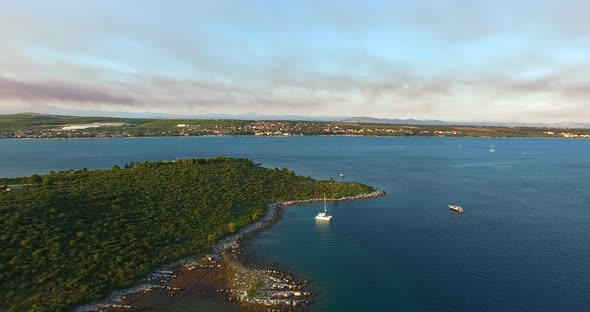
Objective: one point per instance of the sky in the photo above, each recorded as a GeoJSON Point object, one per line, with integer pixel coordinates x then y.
{"type": "Point", "coordinates": [451, 60]}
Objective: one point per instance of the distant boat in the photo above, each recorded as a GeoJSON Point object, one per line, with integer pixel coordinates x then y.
{"type": "Point", "coordinates": [492, 149]}
{"type": "Point", "coordinates": [324, 216]}
{"type": "Point", "coordinates": [341, 175]}
{"type": "Point", "coordinates": [456, 208]}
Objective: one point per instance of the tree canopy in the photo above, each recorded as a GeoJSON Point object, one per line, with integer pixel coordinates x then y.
{"type": "Point", "coordinates": [73, 236]}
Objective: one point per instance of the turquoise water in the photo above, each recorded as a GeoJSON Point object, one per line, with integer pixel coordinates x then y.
{"type": "Point", "coordinates": [521, 245]}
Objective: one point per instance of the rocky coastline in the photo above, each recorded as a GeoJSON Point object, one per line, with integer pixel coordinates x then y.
{"type": "Point", "coordinates": [224, 275]}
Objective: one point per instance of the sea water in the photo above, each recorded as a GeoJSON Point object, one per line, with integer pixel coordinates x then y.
{"type": "Point", "coordinates": [521, 245]}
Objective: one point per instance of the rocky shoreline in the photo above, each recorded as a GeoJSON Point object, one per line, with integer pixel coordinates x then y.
{"type": "Point", "coordinates": [272, 215]}
{"type": "Point", "coordinates": [224, 275]}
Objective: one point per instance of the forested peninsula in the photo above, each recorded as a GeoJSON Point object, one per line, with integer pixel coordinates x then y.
{"type": "Point", "coordinates": [71, 237]}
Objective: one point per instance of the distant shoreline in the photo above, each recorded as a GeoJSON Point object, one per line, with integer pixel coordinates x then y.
{"type": "Point", "coordinates": [50, 126]}
{"type": "Point", "coordinates": [288, 136]}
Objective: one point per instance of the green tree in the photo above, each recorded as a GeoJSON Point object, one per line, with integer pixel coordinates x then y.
{"type": "Point", "coordinates": [113, 227]}
{"type": "Point", "coordinates": [232, 227]}
{"type": "Point", "coordinates": [257, 214]}
{"type": "Point", "coordinates": [47, 180]}
{"type": "Point", "coordinates": [36, 179]}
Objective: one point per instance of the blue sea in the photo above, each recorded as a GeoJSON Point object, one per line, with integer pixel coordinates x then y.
{"type": "Point", "coordinates": [521, 245]}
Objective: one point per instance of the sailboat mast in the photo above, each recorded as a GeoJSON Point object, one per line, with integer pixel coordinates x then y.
{"type": "Point", "coordinates": [325, 206]}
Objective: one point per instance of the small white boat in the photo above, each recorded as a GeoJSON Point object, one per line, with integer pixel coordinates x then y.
{"type": "Point", "coordinates": [456, 208]}
{"type": "Point", "coordinates": [341, 175]}
{"type": "Point", "coordinates": [324, 216]}
{"type": "Point", "coordinates": [492, 149]}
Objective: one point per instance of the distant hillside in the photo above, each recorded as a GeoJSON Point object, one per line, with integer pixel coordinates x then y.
{"type": "Point", "coordinates": [554, 125]}
{"type": "Point", "coordinates": [426, 122]}
{"type": "Point", "coordinates": [395, 121]}
{"type": "Point", "coordinates": [32, 121]}
{"type": "Point", "coordinates": [74, 116]}
{"type": "Point", "coordinates": [51, 126]}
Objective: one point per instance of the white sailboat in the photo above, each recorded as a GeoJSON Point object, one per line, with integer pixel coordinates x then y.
{"type": "Point", "coordinates": [456, 208]}
{"type": "Point", "coordinates": [492, 149]}
{"type": "Point", "coordinates": [324, 216]}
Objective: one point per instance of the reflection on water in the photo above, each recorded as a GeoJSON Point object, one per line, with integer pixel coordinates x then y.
{"type": "Point", "coordinates": [322, 226]}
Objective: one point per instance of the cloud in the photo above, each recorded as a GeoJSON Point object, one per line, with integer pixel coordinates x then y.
{"type": "Point", "coordinates": [454, 59]}
{"type": "Point", "coordinates": [51, 91]}
{"type": "Point", "coordinates": [392, 93]}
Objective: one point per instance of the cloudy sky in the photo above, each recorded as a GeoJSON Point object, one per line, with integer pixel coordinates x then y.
{"type": "Point", "coordinates": [452, 60]}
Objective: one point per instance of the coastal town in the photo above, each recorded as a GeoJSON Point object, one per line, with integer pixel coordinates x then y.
{"type": "Point", "coordinates": [52, 127]}
{"type": "Point", "coordinates": [257, 128]}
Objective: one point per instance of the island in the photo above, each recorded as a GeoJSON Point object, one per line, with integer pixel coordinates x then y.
{"type": "Point", "coordinates": [71, 238]}
{"type": "Point", "coordinates": [52, 126]}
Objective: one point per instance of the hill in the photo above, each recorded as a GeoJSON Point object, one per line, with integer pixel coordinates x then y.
{"type": "Point", "coordinates": [363, 119]}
